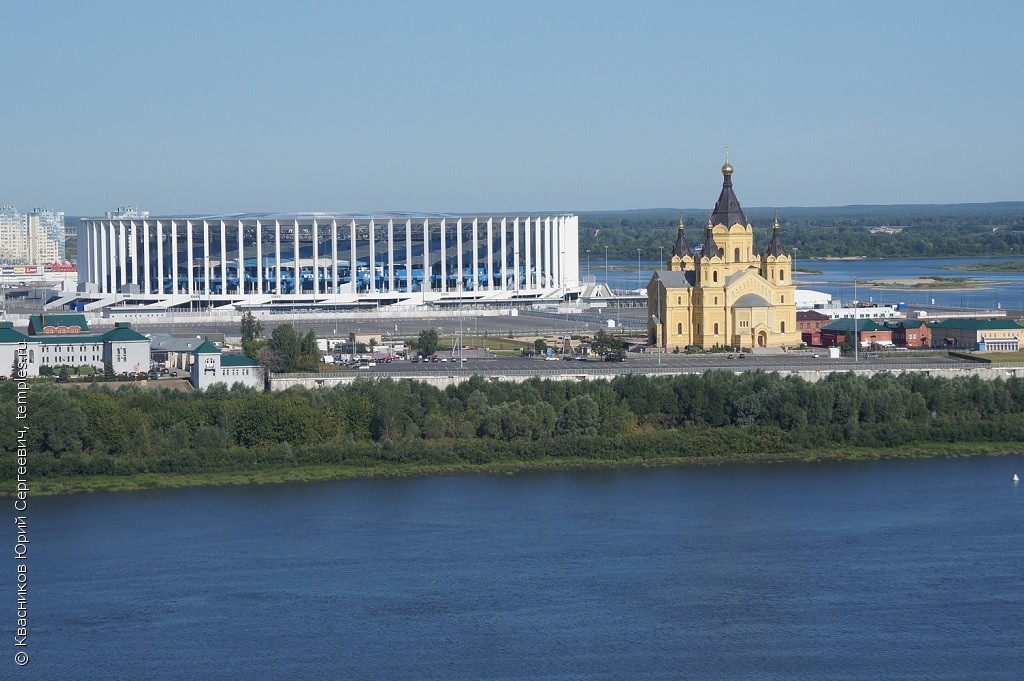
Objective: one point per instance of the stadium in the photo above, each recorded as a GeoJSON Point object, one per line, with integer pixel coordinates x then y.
{"type": "Point", "coordinates": [317, 260]}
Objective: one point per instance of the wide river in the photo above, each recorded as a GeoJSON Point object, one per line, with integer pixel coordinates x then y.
{"type": "Point", "coordinates": [1001, 289]}
{"type": "Point", "coordinates": [863, 570]}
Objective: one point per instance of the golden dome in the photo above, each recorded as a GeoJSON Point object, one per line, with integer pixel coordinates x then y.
{"type": "Point", "coordinates": [727, 169]}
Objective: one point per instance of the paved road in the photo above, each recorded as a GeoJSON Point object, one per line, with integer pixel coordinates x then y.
{"type": "Point", "coordinates": [522, 325]}
{"type": "Point", "coordinates": [651, 362]}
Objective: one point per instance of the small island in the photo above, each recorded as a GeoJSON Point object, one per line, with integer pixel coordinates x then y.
{"type": "Point", "coordinates": [1000, 266]}
{"type": "Point", "coordinates": [931, 283]}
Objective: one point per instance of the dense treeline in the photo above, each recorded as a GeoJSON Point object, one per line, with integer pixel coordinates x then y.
{"type": "Point", "coordinates": [81, 432]}
{"type": "Point", "coordinates": [818, 234]}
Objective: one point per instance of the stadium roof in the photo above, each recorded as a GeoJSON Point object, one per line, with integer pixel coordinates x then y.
{"type": "Point", "coordinates": [328, 216]}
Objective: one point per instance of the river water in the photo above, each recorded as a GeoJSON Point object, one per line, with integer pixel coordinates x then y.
{"type": "Point", "coordinates": [837, 279]}
{"type": "Point", "coordinates": [887, 569]}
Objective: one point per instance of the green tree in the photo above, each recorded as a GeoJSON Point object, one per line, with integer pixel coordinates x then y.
{"type": "Point", "coordinates": [108, 371]}
{"type": "Point", "coordinates": [426, 343]}
{"type": "Point", "coordinates": [540, 346]}
{"type": "Point", "coordinates": [252, 328]}
{"type": "Point", "coordinates": [604, 343]}
{"type": "Point", "coordinates": [290, 350]}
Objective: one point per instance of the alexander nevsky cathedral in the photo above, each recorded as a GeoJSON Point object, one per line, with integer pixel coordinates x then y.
{"type": "Point", "coordinates": [724, 294]}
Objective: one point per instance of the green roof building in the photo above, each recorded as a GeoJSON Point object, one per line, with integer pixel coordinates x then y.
{"type": "Point", "coordinates": [212, 366]}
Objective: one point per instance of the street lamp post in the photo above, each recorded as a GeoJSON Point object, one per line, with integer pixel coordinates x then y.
{"type": "Point", "coordinates": [856, 339]}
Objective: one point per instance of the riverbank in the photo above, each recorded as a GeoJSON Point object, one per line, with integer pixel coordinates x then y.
{"type": "Point", "coordinates": [326, 473]}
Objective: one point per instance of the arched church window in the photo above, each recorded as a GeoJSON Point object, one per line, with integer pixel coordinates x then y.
{"type": "Point", "coordinates": [679, 300]}
{"type": "Point", "coordinates": [782, 299]}
{"type": "Point", "coordinates": [736, 255]}
{"type": "Point", "coordinates": [679, 329]}
{"type": "Point", "coordinates": [782, 275]}
{"type": "Point", "coordinates": [716, 328]}
{"type": "Point", "coordinates": [714, 277]}
{"type": "Point", "coordinates": [782, 327]}
{"type": "Point", "coordinates": [716, 300]}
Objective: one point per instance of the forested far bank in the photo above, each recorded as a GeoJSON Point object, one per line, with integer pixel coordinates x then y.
{"type": "Point", "coordinates": [910, 232]}
{"type": "Point", "coordinates": [97, 431]}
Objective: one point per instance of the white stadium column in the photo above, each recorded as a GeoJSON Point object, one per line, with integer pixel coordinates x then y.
{"type": "Point", "coordinates": [515, 253]}
{"type": "Point", "coordinates": [97, 253]}
{"type": "Point", "coordinates": [112, 255]}
{"type": "Point", "coordinates": [159, 257]}
{"type": "Point", "coordinates": [391, 256]}
{"type": "Point", "coordinates": [223, 257]}
{"type": "Point", "coordinates": [542, 254]}
{"type": "Point", "coordinates": [408, 256]}
{"type": "Point", "coordinates": [476, 256]}
{"type": "Point", "coordinates": [90, 253]}
{"type": "Point", "coordinates": [190, 260]}
{"type": "Point", "coordinates": [490, 254]}
{"type": "Point", "coordinates": [538, 252]}
{"type": "Point", "coordinates": [174, 257]}
{"type": "Point", "coordinates": [444, 256]}
{"type": "Point", "coordinates": [122, 253]}
{"type": "Point", "coordinates": [334, 256]}
{"type": "Point", "coordinates": [241, 258]}
{"type": "Point", "coordinates": [146, 250]}
{"type": "Point", "coordinates": [556, 224]}
{"type": "Point", "coordinates": [206, 258]}
{"type": "Point", "coordinates": [504, 253]}
{"type": "Point", "coordinates": [103, 258]}
{"type": "Point", "coordinates": [550, 251]}
{"type": "Point", "coordinates": [458, 258]}
{"type": "Point", "coordinates": [133, 252]}
{"type": "Point", "coordinates": [259, 257]}
{"type": "Point", "coordinates": [352, 253]}
{"type": "Point", "coordinates": [526, 258]}
{"type": "Point", "coordinates": [295, 256]}
{"type": "Point", "coordinates": [316, 258]}
{"type": "Point", "coordinates": [545, 250]}
{"type": "Point", "coordinates": [277, 257]}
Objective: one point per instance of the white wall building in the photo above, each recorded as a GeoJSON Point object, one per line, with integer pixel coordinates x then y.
{"type": "Point", "coordinates": [65, 340]}
{"type": "Point", "coordinates": [327, 259]}
{"type": "Point", "coordinates": [211, 366]}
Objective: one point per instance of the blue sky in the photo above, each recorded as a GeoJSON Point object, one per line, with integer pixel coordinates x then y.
{"type": "Point", "coordinates": [486, 106]}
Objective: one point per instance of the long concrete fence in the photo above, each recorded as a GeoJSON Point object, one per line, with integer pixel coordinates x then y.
{"type": "Point", "coordinates": [455, 375]}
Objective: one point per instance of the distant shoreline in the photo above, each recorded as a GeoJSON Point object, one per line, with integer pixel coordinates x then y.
{"type": "Point", "coordinates": [328, 473]}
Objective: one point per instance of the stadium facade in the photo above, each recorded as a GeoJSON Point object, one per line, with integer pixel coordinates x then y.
{"type": "Point", "coordinates": [327, 259]}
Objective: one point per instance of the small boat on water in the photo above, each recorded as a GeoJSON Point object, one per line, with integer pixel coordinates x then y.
{"type": "Point", "coordinates": [1016, 478]}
